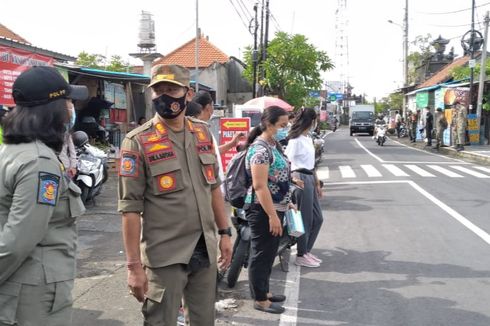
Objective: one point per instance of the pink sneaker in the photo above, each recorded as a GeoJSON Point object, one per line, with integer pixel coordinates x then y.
{"type": "Point", "coordinates": [314, 258]}
{"type": "Point", "coordinates": [305, 261]}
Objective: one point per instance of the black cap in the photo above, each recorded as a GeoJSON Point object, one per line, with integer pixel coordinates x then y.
{"type": "Point", "coordinates": [439, 109]}
{"type": "Point", "coordinates": [41, 85]}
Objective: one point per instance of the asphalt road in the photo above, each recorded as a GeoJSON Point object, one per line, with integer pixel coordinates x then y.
{"type": "Point", "coordinates": [404, 242]}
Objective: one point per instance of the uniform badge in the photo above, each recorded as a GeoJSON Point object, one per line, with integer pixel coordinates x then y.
{"type": "Point", "coordinates": [209, 170]}
{"type": "Point", "coordinates": [129, 164]}
{"type": "Point", "coordinates": [205, 148]}
{"type": "Point", "coordinates": [201, 135]}
{"type": "Point", "coordinates": [155, 147]}
{"type": "Point", "coordinates": [162, 131]}
{"type": "Point", "coordinates": [166, 182]}
{"type": "Point", "coordinates": [175, 107]}
{"type": "Point", "coordinates": [150, 137]}
{"type": "Point", "coordinates": [47, 190]}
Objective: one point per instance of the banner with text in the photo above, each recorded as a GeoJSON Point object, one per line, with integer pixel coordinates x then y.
{"type": "Point", "coordinates": [228, 128]}
{"type": "Point", "coordinates": [12, 63]}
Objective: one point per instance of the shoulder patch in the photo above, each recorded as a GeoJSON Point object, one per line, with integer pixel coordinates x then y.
{"type": "Point", "coordinates": [129, 164]}
{"type": "Point", "coordinates": [196, 120]}
{"type": "Point", "coordinates": [47, 189]}
{"type": "Point", "coordinates": [138, 130]}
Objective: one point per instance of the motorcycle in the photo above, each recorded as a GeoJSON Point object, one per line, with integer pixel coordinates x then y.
{"type": "Point", "coordinates": [319, 144]}
{"type": "Point", "coordinates": [380, 137]}
{"type": "Point", "coordinates": [403, 130]}
{"type": "Point", "coordinates": [92, 167]}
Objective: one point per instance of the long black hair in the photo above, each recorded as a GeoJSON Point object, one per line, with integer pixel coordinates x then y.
{"type": "Point", "coordinates": [271, 115]}
{"type": "Point", "coordinates": [303, 121]}
{"type": "Point", "coordinates": [203, 98]}
{"type": "Point", "coordinates": [45, 123]}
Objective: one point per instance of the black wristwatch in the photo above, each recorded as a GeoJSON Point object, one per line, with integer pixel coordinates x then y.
{"type": "Point", "coordinates": [226, 231]}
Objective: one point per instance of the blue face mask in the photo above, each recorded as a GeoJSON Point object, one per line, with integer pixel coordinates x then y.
{"type": "Point", "coordinates": [281, 134]}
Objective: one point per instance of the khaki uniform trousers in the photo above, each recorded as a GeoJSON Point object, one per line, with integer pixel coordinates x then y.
{"type": "Point", "coordinates": [167, 286]}
{"type": "Point", "coordinates": [39, 305]}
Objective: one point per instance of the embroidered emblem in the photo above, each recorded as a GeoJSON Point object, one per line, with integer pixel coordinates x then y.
{"type": "Point", "coordinates": [202, 136]}
{"type": "Point", "coordinates": [47, 190]}
{"type": "Point", "coordinates": [129, 164]}
{"type": "Point", "coordinates": [161, 129]}
{"type": "Point", "coordinates": [166, 182]}
{"type": "Point", "coordinates": [175, 106]}
{"type": "Point", "coordinates": [160, 156]}
{"type": "Point", "coordinates": [150, 137]}
{"type": "Point", "coordinates": [205, 148]}
{"type": "Point", "coordinates": [209, 169]}
{"type": "Point", "coordinates": [157, 147]}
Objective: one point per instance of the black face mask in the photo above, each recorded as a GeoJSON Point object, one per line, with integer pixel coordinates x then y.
{"type": "Point", "coordinates": [169, 107]}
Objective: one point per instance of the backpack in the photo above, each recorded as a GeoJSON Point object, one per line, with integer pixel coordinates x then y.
{"type": "Point", "coordinates": [237, 180]}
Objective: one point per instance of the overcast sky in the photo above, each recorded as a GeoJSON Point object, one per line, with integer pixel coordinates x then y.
{"type": "Point", "coordinates": [110, 27]}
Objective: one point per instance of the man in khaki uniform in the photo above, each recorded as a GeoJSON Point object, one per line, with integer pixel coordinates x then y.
{"type": "Point", "coordinates": [171, 202]}
{"type": "Point", "coordinates": [38, 204]}
{"type": "Point", "coordinates": [441, 125]}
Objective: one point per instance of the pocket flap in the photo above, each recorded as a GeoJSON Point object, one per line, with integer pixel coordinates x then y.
{"type": "Point", "coordinates": [207, 158]}
{"type": "Point", "coordinates": [155, 293]}
{"type": "Point", "coordinates": [164, 168]}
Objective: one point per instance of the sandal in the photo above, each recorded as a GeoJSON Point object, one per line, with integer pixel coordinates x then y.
{"type": "Point", "coordinates": [274, 308]}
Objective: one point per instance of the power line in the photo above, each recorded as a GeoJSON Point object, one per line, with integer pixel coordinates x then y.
{"type": "Point", "coordinates": [239, 15]}
{"type": "Point", "coordinates": [245, 10]}
{"type": "Point", "coordinates": [449, 25]}
{"type": "Point", "coordinates": [276, 23]}
{"type": "Point", "coordinates": [451, 12]}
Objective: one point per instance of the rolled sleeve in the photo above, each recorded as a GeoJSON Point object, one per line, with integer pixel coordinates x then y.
{"type": "Point", "coordinates": [132, 179]}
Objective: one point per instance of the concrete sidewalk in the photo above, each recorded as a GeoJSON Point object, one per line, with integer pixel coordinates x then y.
{"type": "Point", "coordinates": [476, 153]}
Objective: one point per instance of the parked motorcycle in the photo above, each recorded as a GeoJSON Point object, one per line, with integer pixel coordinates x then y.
{"type": "Point", "coordinates": [319, 144]}
{"type": "Point", "coordinates": [380, 136]}
{"type": "Point", "coordinates": [92, 167]}
{"type": "Point", "coordinates": [403, 130]}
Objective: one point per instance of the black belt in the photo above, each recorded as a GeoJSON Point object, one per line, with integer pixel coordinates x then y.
{"type": "Point", "coordinates": [304, 171]}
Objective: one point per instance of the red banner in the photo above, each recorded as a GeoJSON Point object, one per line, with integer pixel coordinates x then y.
{"type": "Point", "coordinates": [228, 127]}
{"type": "Point", "coordinates": [12, 63]}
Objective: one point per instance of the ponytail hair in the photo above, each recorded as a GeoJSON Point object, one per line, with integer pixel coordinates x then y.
{"type": "Point", "coordinates": [271, 115]}
{"type": "Point", "coordinates": [303, 121]}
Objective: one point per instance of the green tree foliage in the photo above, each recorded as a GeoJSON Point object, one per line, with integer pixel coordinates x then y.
{"type": "Point", "coordinates": [463, 72]}
{"type": "Point", "coordinates": [418, 57]}
{"type": "Point", "coordinates": [98, 61]}
{"type": "Point", "coordinates": [292, 67]}
{"type": "Point", "coordinates": [95, 61]}
{"type": "Point", "coordinates": [394, 101]}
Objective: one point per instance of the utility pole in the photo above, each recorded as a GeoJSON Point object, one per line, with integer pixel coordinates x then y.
{"type": "Point", "coordinates": [266, 33]}
{"type": "Point", "coordinates": [198, 36]}
{"type": "Point", "coordinates": [254, 52]}
{"type": "Point", "coordinates": [261, 70]}
{"type": "Point", "coordinates": [405, 57]}
{"type": "Point", "coordinates": [483, 75]}
{"type": "Point", "coordinates": [472, 55]}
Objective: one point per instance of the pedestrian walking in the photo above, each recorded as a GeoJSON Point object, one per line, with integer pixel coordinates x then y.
{"type": "Point", "coordinates": [171, 203]}
{"type": "Point", "coordinates": [301, 152]}
{"type": "Point", "coordinates": [398, 123]}
{"type": "Point", "coordinates": [68, 154]}
{"type": "Point", "coordinates": [266, 202]}
{"type": "Point", "coordinates": [459, 123]}
{"type": "Point", "coordinates": [429, 126]}
{"type": "Point", "coordinates": [441, 125]}
{"type": "Point", "coordinates": [39, 204]}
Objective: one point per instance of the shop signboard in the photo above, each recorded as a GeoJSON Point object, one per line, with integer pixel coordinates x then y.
{"type": "Point", "coordinates": [422, 99]}
{"type": "Point", "coordinates": [439, 98]}
{"type": "Point", "coordinates": [456, 94]}
{"type": "Point", "coordinates": [473, 130]}
{"type": "Point", "coordinates": [12, 63]}
{"type": "Point", "coordinates": [228, 128]}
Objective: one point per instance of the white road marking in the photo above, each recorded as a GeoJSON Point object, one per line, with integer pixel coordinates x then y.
{"type": "Point", "coordinates": [368, 151]}
{"type": "Point", "coordinates": [323, 173]}
{"type": "Point", "coordinates": [424, 151]}
{"type": "Point", "coordinates": [396, 171]}
{"type": "Point", "coordinates": [445, 171]}
{"type": "Point", "coordinates": [371, 171]}
{"type": "Point", "coordinates": [458, 217]}
{"type": "Point", "coordinates": [470, 172]}
{"type": "Point", "coordinates": [291, 291]}
{"type": "Point", "coordinates": [347, 171]}
{"type": "Point", "coordinates": [419, 171]}
{"type": "Point", "coordinates": [484, 169]}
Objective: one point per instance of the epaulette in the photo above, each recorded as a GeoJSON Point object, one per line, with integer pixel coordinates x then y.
{"type": "Point", "coordinates": [147, 125]}
{"type": "Point", "coordinates": [196, 120]}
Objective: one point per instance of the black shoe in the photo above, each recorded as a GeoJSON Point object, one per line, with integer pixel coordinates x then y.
{"type": "Point", "coordinates": [274, 308]}
{"type": "Point", "coordinates": [277, 298]}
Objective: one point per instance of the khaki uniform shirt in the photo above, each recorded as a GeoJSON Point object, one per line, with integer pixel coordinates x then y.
{"type": "Point", "coordinates": [168, 177]}
{"type": "Point", "coordinates": [38, 207]}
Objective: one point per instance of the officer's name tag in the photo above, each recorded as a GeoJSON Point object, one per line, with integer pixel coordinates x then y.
{"type": "Point", "coordinates": [47, 190]}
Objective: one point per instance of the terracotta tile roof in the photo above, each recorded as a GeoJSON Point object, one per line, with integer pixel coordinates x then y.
{"type": "Point", "coordinates": [7, 33]}
{"type": "Point", "coordinates": [185, 55]}
{"type": "Point", "coordinates": [137, 69]}
{"type": "Point", "coordinates": [445, 73]}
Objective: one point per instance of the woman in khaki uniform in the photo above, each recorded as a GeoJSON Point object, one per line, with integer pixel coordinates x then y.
{"type": "Point", "coordinates": [38, 204]}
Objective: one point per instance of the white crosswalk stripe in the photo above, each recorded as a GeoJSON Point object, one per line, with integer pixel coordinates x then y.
{"type": "Point", "coordinates": [347, 171]}
{"type": "Point", "coordinates": [371, 171]}
{"type": "Point", "coordinates": [445, 171]}
{"type": "Point", "coordinates": [484, 169]}
{"type": "Point", "coordinates": [419, 171]}
{"type": "Point", "coordinates": [396, 171]}
{"type": "Point", "coordinates": [470, 172]}
{"type": "Point", "coordinates": [323, 173]}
